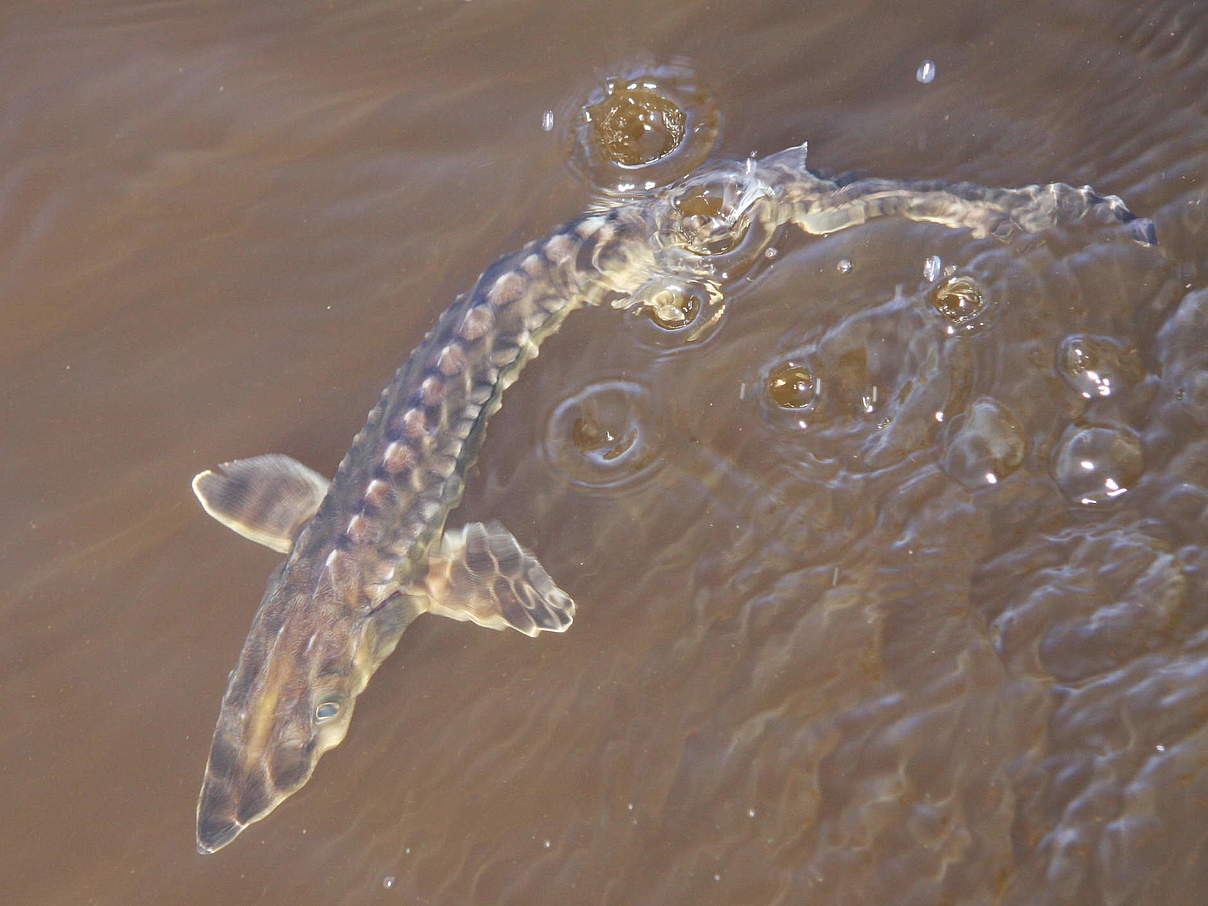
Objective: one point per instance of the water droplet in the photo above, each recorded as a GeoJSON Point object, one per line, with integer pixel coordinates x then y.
{"type": "Point", "coordinates": [770, 252]}
{"type": "Point", "coordinates": [547, 121]}
{"type": "Point", "coordinates": [844, 266]}
{"type": "Point", "coordinates": [644, 130]}
{"type": "Point", "coordinates": [790, 385]}
{"type": "Point", "coordinates": [1097, 366]}
{"type": "Point", "coordinates": [1098, 463]}
{"type": "Point", "coordinates": [605, 436]}
{"type": "Point", "coordinates": [987, 445]}
{"type": "Point", "coordinates": [932, 267]}
{"type": "Point", "coordinates": [960, 301]}
{"type": "Point", "coordinates": [926, 72]}
{"type": "Point", "coordinates": [388, 881]}
{"type": "Point", "coordinates": [548, 844]}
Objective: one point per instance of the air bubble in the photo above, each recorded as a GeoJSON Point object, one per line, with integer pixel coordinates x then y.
{"type": "Point", "coordinates": [960, 301]}
{"type": "Point", "coordinates": [605, 436]}
{"type": "Point", "coordinates": [635, 125]}
{"type": "Point", "coordinates": [987, 446]}
{"type": "Point", "coordinates": [926, 72]}
{"type": "Point", "coordinates": [674, 310]}
{"type": "Point", "coordinates": [673, 314]}
{"type": "Point", "coordinates": [1097, 464]}
{"type": "Point", "coordinates": [791, 385]}
{"type": "Point", "coordinates": [644, 130]}
{"type": "Point", "coordinates": [1097, 366]}
{"type": "Point", "coordinates": [844, 266]}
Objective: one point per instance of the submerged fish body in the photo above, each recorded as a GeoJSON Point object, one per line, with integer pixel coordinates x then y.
{"type": "Point", "coordinates": [368, 552]}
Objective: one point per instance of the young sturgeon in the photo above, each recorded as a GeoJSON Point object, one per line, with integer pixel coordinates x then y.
{"type": "Point", "coordinates": [368, 553]}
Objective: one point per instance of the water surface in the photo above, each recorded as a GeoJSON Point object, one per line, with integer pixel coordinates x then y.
{"type": "Point", "coordinates": [830, 647]}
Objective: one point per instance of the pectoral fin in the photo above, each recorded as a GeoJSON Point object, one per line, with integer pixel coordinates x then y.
{"type": "Point", "coordinates": [481, 573]}
{"type": "Point", "coordinates": [266, 499]}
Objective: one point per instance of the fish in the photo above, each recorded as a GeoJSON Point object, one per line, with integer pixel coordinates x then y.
{"type": "Point", "coordinates": [368, 552]}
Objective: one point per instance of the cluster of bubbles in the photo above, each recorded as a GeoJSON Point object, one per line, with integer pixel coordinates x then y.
{"type": "Point", "coordinates": [637, 134]}
{"type": "Point", "coordinates": [1096, 463]}
{"type": "Point", "coordinates": [642, 131]}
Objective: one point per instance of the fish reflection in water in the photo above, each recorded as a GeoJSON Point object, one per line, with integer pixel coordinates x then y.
{"type": "Point", "coordinates": [368, 551]}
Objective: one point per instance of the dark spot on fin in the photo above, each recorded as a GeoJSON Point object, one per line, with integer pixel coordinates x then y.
{"type": "Point", "coordinates": [266, 499]}
{"type": "Point", "coordinates": [481, 573]}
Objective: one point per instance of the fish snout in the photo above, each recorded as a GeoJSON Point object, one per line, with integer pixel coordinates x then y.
{"type": "Point", "coordinates": [224, 808]}
{"type": "Point", "coordinates": [216, 822]}
{"type": "Point", "coordinates": [235, 794]}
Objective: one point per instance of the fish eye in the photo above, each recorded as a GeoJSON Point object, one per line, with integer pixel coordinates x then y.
{"type": "Point", "coordinates": [327, 710]}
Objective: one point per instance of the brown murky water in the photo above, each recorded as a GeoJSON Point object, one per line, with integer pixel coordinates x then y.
{"type": "Point", "coordinates": [830, 647]}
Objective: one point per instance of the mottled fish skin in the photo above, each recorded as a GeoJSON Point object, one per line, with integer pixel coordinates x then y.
{"type": "Point", "coordinates": [336, 607]}
{"type": "Point", "coordinates": [405, 469]}
{"type": "Point", "coordinates": [352, 581]}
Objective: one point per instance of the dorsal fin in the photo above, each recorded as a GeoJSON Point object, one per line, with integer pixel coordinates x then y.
{"type": "Point", "coordinates": [481, 573]}
{"type": "Point", "coordinates": [793, 157]}
{"type": "Point", "coordinates": [266, 499]}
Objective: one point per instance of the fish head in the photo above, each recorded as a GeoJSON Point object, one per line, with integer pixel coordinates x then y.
{"type": "Point", "coordinates": [289, 700]}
